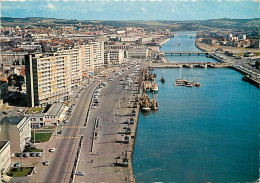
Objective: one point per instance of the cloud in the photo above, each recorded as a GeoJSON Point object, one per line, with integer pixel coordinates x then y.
{"type": "Point", "coordinates": [51, 6]}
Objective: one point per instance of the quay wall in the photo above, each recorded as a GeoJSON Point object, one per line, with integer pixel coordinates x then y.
{"type": "Point", "coordinates": [247, 77]}
{"type": "Point", "coordinates": [164, 41]}
{"type": "Point", "coordinates": [198, 45]}
{"type": "Point", "coordinates": [132, 146]}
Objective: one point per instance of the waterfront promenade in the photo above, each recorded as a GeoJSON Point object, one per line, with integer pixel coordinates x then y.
{"type": "Point", "coordinates": [105, 152]}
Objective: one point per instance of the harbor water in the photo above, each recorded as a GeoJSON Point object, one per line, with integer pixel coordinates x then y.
{"type": "Point", "coordinates": [200, 134]}
{"type": "Point", "coordinates": [184, 43]}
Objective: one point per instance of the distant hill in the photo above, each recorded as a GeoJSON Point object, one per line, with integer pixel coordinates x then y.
{"type": "Point", "coordinates": [176, 25]}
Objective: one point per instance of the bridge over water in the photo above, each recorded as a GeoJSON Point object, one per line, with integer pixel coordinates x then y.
{"type": "Point", "coordinates": [184, 53]}
{"type": "Point", "coordinates": [189, 65]}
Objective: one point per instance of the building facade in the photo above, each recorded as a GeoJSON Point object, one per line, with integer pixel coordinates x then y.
{"type": "Point", "coordinates": [5, 156]}
{"type": "Point", "coordinates": [48, 79]}
{"type": "Point", "coordinates": [17, 130]}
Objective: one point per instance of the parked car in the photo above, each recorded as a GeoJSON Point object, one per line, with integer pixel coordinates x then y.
{"type": "Point", "coordinates": [26, 154]}
{"type": "Point", "coordinates": [33, 154]}
{"type": "Point", "coordinates": [39, 154]}
{"type": "Point", "coordinates": [52, 150]}
{"type": "Point", "coordinates": [59, 132]}
{"type": "Point", "coordinates": [65, 121]}
{"type": "Point", "coordinates": [46, 163]}
{"type": "Point", "coordinates": [80, 173]}
{"type": "Point", "coordinates": [20, 155]}
{"type": "Point", "coordinates": [17, 165]}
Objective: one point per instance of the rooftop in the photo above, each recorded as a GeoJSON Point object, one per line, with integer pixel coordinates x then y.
{"type": "Point", "coordinates": [13, 120]}
{"type": "Point", "coordinates": [35, 110]}
{"type": "Point", "coordinates": [54, 109]}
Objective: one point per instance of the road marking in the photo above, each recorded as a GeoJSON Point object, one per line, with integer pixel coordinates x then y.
{"type": "Point", "coordinates": [68, 137]}
{"type": "Point", "coordinates": [73, 127]}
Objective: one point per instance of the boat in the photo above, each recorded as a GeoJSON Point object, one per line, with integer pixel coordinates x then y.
{"type": "Point", "coordinates": [154, 104]}
{"type": "Point", "coordinates": [162, 79]}
{"type": "Point", "coordinates": [145, 107]}
{"type": "Point", "coordinates": [179, 44]}
{"type": "Point", "coordinates": [189, 84]}
{"type": "Point", "coordinates": [154, 87]}
{"type": "Point", "coordinates": [147, 85]}
{"type": "Point", "coordinates": [197, 84]}
{"type": "Point", "coordinates": [179, 82]}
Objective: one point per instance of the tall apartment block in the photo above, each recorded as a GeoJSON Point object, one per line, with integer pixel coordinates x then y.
{"type": "Point", "coordinates": [98, 54]}
{"type": "Point", "coordinates": [76, 64]}
{"type": "Point", "coordinates": [92, 55]}
{"type": "Point", "coordinates": [48, 78]}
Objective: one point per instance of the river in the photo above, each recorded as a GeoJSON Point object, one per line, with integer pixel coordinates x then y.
{"type": "Point", "coordinates": [205, 134]}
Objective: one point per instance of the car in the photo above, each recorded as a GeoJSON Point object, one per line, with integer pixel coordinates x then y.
{"type": "Point", "coordinates": [132, 121]}
{"type": "Point", "coordinates": [26, 154]}
{"type": "Point", "coordinates": [46, 163]}
{"type": "Point", "coordinates": [52, 150]}
{"type": "Point", "coordinates": [80, 173]}
{"type": "Point", "coordinates": [39, 154]}
{"type": "Point", "coordinates": [33, 154]}
{"type": "Point", "coordinates": [20, 155]}
{"type": "Point", "coordinates": [59, 132]}
{"type": "Point", "coordinates": [65, 121]}
{"type": "Point", "coordinates": [17, 165]}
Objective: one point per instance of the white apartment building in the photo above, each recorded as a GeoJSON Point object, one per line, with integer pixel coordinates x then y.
{"type": "Point", "coordinates": [76, 64]}
{"type": "Point", "coordinates": [129, 39]}
{"type": "Point", "coordinates": [98, 54]}
{"type": "Point", "coordinates": [87, 59]}
{"type": "Point", "coordinates": [139, 52]}
{"type": "Point", "coordinates": [116, 56]}
{"type": "Point", "coordinates": [5, 156]}
{"type": "Point", "coordinates": [92, 55]}
{"type": "Point", "coordinates": [17, 130]}
{"type": "Point", "coordinates": [106, 57]}
{"type": "Point", "coordinates": [48, 79]}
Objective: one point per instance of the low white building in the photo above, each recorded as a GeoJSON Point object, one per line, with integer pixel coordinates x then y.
{"type": "Point", "coordinates": [52, 117]}
{"type": "Point", "coordinates": [139, 52]}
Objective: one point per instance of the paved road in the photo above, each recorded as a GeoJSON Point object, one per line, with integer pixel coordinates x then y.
{"type": "Point", "coordinates": [62, 159]}
{"type": "Point", "coordinates": [97, 164]}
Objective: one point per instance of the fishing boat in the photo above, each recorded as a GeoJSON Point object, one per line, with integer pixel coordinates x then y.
{"type": "Point", "coordinates": [154, 104]}
{"type": "Point", "coordinates": [147, 85]}
{"type": "Point", "coordinates": [189, 84]}
{"type": "Point", "coordinates": [154, 86]}
{"type": "Point", "coordinates": [179, 82]}
{"type": "Point", "coordinates": [162, 78]}
{"type": "Point", "coordinates": [145, 107]}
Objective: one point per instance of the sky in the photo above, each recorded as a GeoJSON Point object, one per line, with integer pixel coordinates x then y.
{"type": "Point", "coordinates": [132, 9]}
